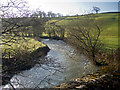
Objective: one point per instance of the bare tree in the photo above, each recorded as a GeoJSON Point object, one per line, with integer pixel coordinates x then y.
{"type": "Point", "coordinates": [59, 15]}
{"type": "Point", "coordinates": [39, 13]}
{"type": "Point", "coordinates": [14, 16]}
{"type": "Point", "coordinates": [51, 14]}
{"type": "Point", "coordinates": [55, 30]}
{"type": "Point", "coordinates": [16, 23]}
{"type": "Point", "coordinates": [84, 34]}
{"type": "Point", "coordinates": [44, 14]}
{"type": "Point", "coordinates": [96, 9]}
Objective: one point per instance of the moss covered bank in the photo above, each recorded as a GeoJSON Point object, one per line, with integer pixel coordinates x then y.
{"type": "Point", "coordinates": [13, 66]}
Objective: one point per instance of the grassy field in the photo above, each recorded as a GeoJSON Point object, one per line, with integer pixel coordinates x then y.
{"type": "Point", "coordinates": [110, 30]}
{"type": "Point", "coordinates": [27, 45]}
{"type": "Point", "coordinates": [109, 22]}
{"type": "Point", "coordinates": [109, 35]}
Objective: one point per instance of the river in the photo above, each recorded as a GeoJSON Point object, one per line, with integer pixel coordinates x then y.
{"type": "Point", "coordinates": [62, 65]}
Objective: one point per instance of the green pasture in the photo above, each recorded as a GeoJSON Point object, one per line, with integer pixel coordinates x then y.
{"type": "Point", "coordinates": [109, 26]}
{"type": "Point", "coordinates": [21, 45]}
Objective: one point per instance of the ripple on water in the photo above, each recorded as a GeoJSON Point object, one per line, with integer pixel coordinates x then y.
{"type": "Point", "coordinates": [72, 65]}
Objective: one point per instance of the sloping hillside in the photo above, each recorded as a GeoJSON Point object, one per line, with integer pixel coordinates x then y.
{"type": "Point", "coordinates": [109, 26]}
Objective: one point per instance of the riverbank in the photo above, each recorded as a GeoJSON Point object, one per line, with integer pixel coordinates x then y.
{"type": "Point", "coordinates": [12, 66]}
{"type": "Point", "coordinates": [107, 77]}
{"type": "Point", "coordinates": [58, 47]}
{"type": "Point", "coordinates": [55, 37]}
{"type": "Point", "coordinates": [100, 80]}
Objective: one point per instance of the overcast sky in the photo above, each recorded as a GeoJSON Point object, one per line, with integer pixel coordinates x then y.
{"type": "Point", "coordinates": [73, 7]}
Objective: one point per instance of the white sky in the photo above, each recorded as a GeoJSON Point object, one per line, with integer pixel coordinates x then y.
{"type": "Point", "coordinates": [73, 0]}
{"type": "Point", "coordinates": [56, 7]}
{"type": "Point", "coordinates": [62, 6]}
